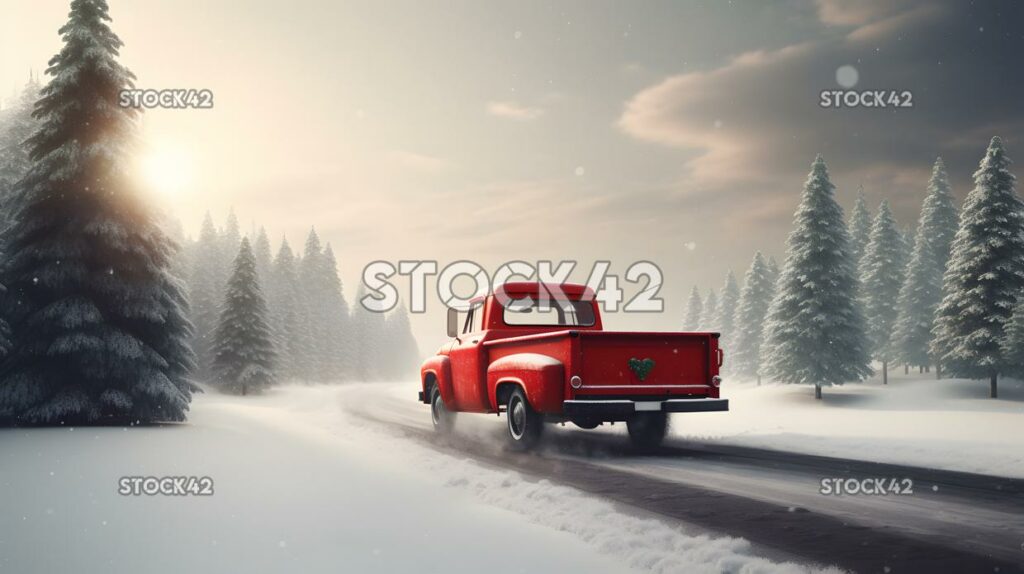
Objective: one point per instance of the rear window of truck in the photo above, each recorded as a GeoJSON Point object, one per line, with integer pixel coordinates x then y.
{"type": "Point", "coordinates": [539, 313]}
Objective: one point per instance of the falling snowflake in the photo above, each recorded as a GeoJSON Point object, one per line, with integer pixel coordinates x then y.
{"type": "Point", "coordinates": [847, 76]}
{"type": "Point", "coordinates": [580, 170]}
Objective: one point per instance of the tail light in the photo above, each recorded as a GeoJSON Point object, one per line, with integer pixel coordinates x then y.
{"type": "Point", "coordinates": [576, 381]}
{"type": "Point", "coordinates": [716, 381]}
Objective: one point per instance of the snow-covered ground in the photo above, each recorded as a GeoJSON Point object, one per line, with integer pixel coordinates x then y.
{"type": "Point", "coordinates": [301, 486]}
{"type": "Point", "coordinates": [915, 419]}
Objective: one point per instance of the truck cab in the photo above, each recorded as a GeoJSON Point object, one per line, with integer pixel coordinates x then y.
{"type": "Point", "coordinates": [539, 353]}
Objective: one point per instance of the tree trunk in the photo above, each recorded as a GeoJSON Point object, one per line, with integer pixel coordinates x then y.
{"type": "Point", "coordinates": [920, 369]}
{"type": "Point", "coordinates": [243, 390]}
{"type": "Point", "coordinates": [938, 371]}
{"type": "Point", "coordinates": [817, 392]}
{"type": "Point", "coordinates": [992, 386]}
{"type": "Point", "coordinates": [885, 372]}
{"type": "Point", "coordinates": [906, 369]}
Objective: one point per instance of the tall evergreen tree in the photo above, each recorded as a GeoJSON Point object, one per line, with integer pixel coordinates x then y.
{"type": "Point", "coordinates": [401, 354]}
{"type": "Point", "coordinates": [16, 126]}
{"type": "Point", "coordinates": [773, 270]}
{"type": "Point", "coordinates": [230, 239]}
{"type": "Point", "coordinates": [985, 276]}
{"type": "Point", "coordinates": [335, 347]}
{"type": "Point", "coordinates": [922, 287]}
{"type": "Point", "coordinates": [815, 330]}
{"type": "Point", "coordinates": [261, 250]}
{"type": "Point", "coordinates": [369, 343]}
{"type": "Point", "coordinates": [758, 290]}
{"type": "Point", "coordinates": [860, 227]}
{"type": "Point", "coordinates": [288, 315]}
{"type": "Point", "coordinates": [244, 347]}
{"type": "Point", "coordinates": [727, 309]}
{"type": "Point", "coordinates": [206, 291]}
{"type": "Point", "coordinates": [694, 309]}
{"type": "Point", "coordinates": [709, 317]}
{"type": "Point", "coordinates": [99, 326]}
{"type": "Point", "coordinates": [881, 271]}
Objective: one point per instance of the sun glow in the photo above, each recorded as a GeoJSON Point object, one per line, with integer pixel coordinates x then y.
{"type": "Point", "coordinates": [167, 170]}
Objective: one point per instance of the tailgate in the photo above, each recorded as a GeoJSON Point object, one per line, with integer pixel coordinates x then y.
{"type": "Point", "coordinates": [655, 364]}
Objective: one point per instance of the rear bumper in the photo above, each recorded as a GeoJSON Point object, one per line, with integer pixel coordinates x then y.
{"type": "Point", "coordinates": [624, 407]}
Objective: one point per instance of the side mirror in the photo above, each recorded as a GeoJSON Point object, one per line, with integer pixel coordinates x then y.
{"type": "Point", "coordinates": [453, 322]}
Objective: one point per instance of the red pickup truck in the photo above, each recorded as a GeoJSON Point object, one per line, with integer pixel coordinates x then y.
{"type": "Point", "coordinates": [537, 353]}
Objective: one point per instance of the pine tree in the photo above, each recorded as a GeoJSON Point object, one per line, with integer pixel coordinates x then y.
{"type": "Point", "coordinates": [815, 330]}
{"type": "Point", "coordinates": [921, 292]}
{"type": "Point", "coordinates": [758, 290]}
{"type": "Point", "coordinates": [261, 250]}
{"type": "Point", "coordinates": [1012, 345]}
{"type": "Point", "coordinates": [309, 273]}
{"type": "Point", "coordinates": [985, 275]}
{"type": "Point", "coordinates": [244, 361]}
{"type": "Point", "coordinates": [230, 239]}
{"type": "Point", "coordinates": [709, 317]}
{"type": "Point", "coordinates": [99, 326]}
{"type": "Point", "coordinates": [335, 348]}
{"type": "Point", "coordinates": [206, 292]}
{"type": "Point", "coordinates": [288, 315]}
{"type": "Point", "coordinates": [773, 270]}
{"type": "Point", "coordinates": [369, 342]}
{"type": "Point", "coordinates": [881, 271]}
{"type": "Point", "coordinates": [694, 309]}
{"type": "Point", "coordinates": [726, 310]}
{"type": "Point", "coordinates": [16, 126]}
{"type": "Point", "coordinates": [399, 347]}
{"type": "Point", "coordinates": [860, 227]}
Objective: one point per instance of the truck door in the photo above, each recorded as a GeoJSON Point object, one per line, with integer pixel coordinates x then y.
{"type": "Point", "coordinates": [469, 379]}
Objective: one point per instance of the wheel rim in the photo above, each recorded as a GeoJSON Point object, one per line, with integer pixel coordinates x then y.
{"type": "Point", "coordinates": [516, 418]}
{"type": "Point", "coordinates": [435, 410]}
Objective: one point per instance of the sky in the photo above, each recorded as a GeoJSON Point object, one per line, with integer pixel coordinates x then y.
{"type": "Point", "coordinates": [675, 132]}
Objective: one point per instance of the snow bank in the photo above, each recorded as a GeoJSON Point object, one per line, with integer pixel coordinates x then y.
{"type": "Point", "coordinates": [915, 419]}
{"type": "Point", "coordinates": [641, 544]}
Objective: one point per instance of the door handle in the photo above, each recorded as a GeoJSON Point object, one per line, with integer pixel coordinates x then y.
{"type": "Point", "coordinates": [475, 341]}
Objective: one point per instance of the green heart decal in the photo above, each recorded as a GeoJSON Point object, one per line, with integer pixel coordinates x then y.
{"type": "Point", "coordinates": [641, 368]}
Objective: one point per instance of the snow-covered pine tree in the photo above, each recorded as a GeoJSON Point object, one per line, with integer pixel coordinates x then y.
{"type": "Point", "coordinates": [336, 347]}
{"type": "Point", "coordinates": [709, 316]}
{"type": "Point", "coordinates": [773, 269]}
{"type": "Point", "coordinates": [922, 287]}
{"type": "Point", "coordinates": [230, 239]}
{"type": "Point", "coordinates": [1012, 344]}
{"type": "Point", "coordinates": [985, 275]}
{"type": "Point", "coordinates": [369, 340]}
{"type": "Point", "coordinates": [99, 326]}
{"type": "Point", "coordinates": [206, 292]}
{"type": "Point", "coordinates": [694, 309]}
{"type": "Point", "coordinates": [311, 273]}
{"type": "Point", "coordinates": [881, 272]}
{"type": "Point", "coordinates": [16, 126]}
{"type": "Point", "coordinates": [726, 310]}
{"type": "Point", "coordinates": [244, 349]}
{"type": "Point", "coordinates": [814, 330]}
{"type": "Point", "coordinates": [402, 356]}
{"type": "Point", "coordinates": [756, 296]}
{"type": "Point", "coordinates": [288, 315]}
{"type": "Point", "coordinates": [264, 259]}
{"type": "Point", "coordinates": [860, 227]}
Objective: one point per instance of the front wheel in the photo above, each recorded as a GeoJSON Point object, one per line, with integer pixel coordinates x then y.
{"type": "Point", "coordinates": [524, 424]}
{"type": "Point", "coordinates": [443, 419]}
{"type": "Point", "coordinates": [647, 430]}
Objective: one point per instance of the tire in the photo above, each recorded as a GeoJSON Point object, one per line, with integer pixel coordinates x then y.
{"type": "Point", "coordinates": [525, 425]}
{"type": "Point", "coordinates": [647, 430]}
{"type": "Point", "coordinates": [443, 419]}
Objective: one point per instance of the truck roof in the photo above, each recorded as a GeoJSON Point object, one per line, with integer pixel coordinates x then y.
{"type": "Point", "coordinates": [519, 288]}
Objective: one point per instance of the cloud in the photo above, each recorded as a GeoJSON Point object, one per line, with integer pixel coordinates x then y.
{"type": "Point", "coordinates": [418, 161]}
{"type": "Point", "coordinates": [514, 111]}
{"type": "Point", "coordinates": [753, 124]}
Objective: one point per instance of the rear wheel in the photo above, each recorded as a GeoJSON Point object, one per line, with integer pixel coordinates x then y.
{"type": "Point", "coordinates": [442, 418]}
{"type": "Point", "coordinates": [647, 430]}
{"type": "Point", "coordinates": [524, 424]}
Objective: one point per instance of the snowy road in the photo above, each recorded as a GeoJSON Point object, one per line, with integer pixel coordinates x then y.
{"type": "Point", "coordinates": [953, 521]}
{"type": "Point", "coordinates": [302, 486]}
